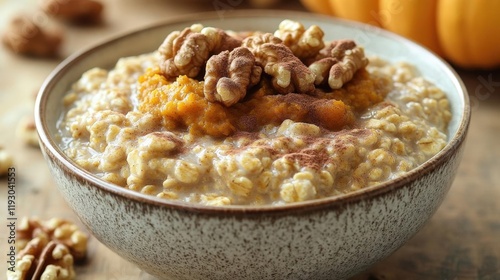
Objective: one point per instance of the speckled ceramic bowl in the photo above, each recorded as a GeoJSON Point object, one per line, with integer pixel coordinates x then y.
{"type": "Point", "coordinates": [329, 238]}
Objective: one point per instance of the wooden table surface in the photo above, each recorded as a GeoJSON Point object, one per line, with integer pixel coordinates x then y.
{"type": "Point", "coordinates": [461, 241]}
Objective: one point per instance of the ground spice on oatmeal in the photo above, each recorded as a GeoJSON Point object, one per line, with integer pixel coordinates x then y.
{"type": "Point", "coordinates": [314, 159]}
{"type": "Point", "coordinates": [181, 104]}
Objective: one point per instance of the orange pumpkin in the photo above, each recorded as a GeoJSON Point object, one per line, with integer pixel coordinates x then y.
{"type": "Point", "coordinates": [463, 31]}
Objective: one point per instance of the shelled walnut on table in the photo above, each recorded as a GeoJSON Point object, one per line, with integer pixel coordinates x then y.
{"type": "Point", "coordinates": [47, 249]}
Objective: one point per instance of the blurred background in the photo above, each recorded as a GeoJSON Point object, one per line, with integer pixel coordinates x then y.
{"type": "Point", "coordinates": [462, 241]}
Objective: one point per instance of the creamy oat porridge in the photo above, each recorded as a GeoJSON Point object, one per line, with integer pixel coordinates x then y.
{"type": "Point", "coordinates": [252, 118]}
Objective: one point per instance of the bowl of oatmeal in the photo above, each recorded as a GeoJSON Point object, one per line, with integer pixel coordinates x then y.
{"type": "Point", "coordinates": [265, 145]}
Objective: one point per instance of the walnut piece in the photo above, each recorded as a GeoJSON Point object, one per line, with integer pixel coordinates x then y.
{"type": "Point", "coordinates": [41, 259]}
{"type": "Point", "coordinates": [288, 72]}
{"type": "Point", "coordinates": [229, 75]}
{"type": "Point", "coordinates": [337, 63]}
{"type": "Point", "coordinates": [6, 161]}
{"type": "Point", "coordinates": [186, 52]}
{"type": "Point", "coordinates": [303, 43]}
{"type": "Point", "coordinates": [56, 229]}
{"type": "Point", "coordinates": [84, 12]}
{"type": "Point", "coordinates": [24, 36]}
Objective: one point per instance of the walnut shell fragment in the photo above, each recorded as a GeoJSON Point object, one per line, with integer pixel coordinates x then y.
{"type": "Point", "coordinates": [24, 36]}
{"type": "Point", "coordinates": [229, 75]}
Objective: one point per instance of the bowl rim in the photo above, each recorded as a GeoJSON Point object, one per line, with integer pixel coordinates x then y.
{"type": "Point", "coordinates": [51, 148]}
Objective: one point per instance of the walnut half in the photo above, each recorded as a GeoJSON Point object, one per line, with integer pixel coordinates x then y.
{"type": "Point", "coordinates": [84, 12]}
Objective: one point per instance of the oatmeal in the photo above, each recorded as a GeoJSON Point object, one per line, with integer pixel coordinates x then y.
{"type": "Point", "coordinates": [252, 118]}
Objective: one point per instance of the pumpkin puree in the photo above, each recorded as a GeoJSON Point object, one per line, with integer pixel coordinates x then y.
{"type": "Point", "coordinates": [181, 104]}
